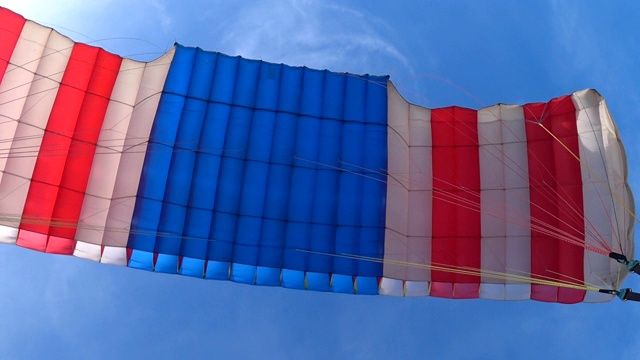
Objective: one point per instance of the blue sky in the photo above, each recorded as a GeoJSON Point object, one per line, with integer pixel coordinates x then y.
{"type": "Point", "coordinates": [468, 53]}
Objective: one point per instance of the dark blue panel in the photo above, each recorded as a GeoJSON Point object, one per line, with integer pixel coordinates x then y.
{"type": "Point", "coordinates": [334, 98]}
{"type": "Point", "coordinates": [376, 110]}
{"type": "Point", "coordinates": [272, 243]}
{"type": "Point", "coordinates": [371, 246]}
{"type": "Point", "coordinates": [312, 92]}
{"type": "Point", "coordinates": [224, 79]}
{"type": "Point", "coordinates": [223, 236]}
{"type": "Point", "coordinates": [355, 98]}
{"type": "Point", "coordinates": [289, 99]}
{"type": "Point", "coordinates": [155, 172]}
{"type": "Point", "coordinates": [247, 241]}
{"type": "Point", "coordinates": [347, 239]}
{"type": "Point", "coordinates": [246, 83]}
{"type": "Point", "coordinates": [268, 86]}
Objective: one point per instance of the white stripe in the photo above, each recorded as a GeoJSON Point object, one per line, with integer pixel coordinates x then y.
{"type": "Point", "coordinates": [409, 194]}
{"type": "Point", "coordinates": [504, 194]}
{"type": "Point", "coordinates": [113, 183]}
{"type": "Point", "coordinates": [603, 173]}
{"type": "Point", "coordinates": [129, 171]}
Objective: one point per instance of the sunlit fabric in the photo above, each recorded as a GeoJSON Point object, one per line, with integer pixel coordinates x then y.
{"type": "Point", "coordinates": [220, 167]}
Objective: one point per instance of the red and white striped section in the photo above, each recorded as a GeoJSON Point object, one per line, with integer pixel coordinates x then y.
{"type": "Point", "coordinates": [64, 100]}
{"type": "Point", "coordinates": [492, 190]}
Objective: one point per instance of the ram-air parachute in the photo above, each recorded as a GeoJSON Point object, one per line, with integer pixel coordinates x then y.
{"type": "Point", "coordinates": [220, 167]}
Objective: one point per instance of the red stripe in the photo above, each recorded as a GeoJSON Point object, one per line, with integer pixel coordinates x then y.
{"type": "Point", "coordinates": [556, 198]}
{"type": "Point", "coordinates": [456, 200]}
{"type": "Point", "coordinates": [64, 162]}
{"type": "Point", "coordinates": [11, 25]}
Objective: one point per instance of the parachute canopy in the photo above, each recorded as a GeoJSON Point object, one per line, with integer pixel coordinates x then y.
{"type": "Point", "coordinates": [219, 167]}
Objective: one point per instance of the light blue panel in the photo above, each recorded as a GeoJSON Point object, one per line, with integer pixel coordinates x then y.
{"type": "Point", "coordinates": [167, 264]}
{"type": "Point", "coordinates": [241, 273]}
{"type": "Point", "coordinates": [293, 279]}
{"type": "Point", "coordinates": [342, 284]}
{"type": "Point", "coordinates": [367, 285]}
{"type": "Point", "coordinates": [318, 281]}
{"type": "Point", "coordinates": [192, 267]}
{"type": "Point", "coordinates": [141, 260]}
{"type": "Point", "coordinates": [217, 270]}
{"type": "Point", "coordinates": [268, 276]}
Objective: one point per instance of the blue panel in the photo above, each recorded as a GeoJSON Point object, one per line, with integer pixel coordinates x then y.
{"type": "Point", "coordinates": [342, 284]}
{"type": "Point", "coordinates": [268, 276]}
{"type": "Point", "coordinates": [155, 172]}
{"type": "Point", "coordinates": [223, 231]}
{"type": "Point", "coordinates": [272, 241]}
{"type": "Point", "coordinates": [192, 267]}
{"type": "Point", "coordinates": [217, 270]}
{"type": "Point", "coordinates": [246, 81]}
{"type": "Point", "coordinates": [333, 97]}
{"type": "Point", "coordinates": [268, 86]}
{"type": "Point", "coordinates": [224, 79]}
{"type": "Point", "coordinates": [318, 281]}
{"type": "Point", "coordinates": [293, 279]}
{"type": "Point", "coordinates": [367, 285]}
{"type": "Point", "coordinates": [167, 264]}
{"type": "Point", "coordinates": [247, 242]}
{"type": "Point", "coordinates": [268, 167]}
{"type": "Point", "coordinates": [311, 96]}
{"type": "Point", "coordinates": [289, 100]}
{"type": "Point", "coordinates": [245, 274]}
{"type": "Point", "coordinates": [141, 260]}
{"type": "Point", "coordinates": [377, 110]}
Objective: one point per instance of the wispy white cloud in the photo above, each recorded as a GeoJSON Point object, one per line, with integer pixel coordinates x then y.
{"type": "Point", "coordinates": [313, 34]}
